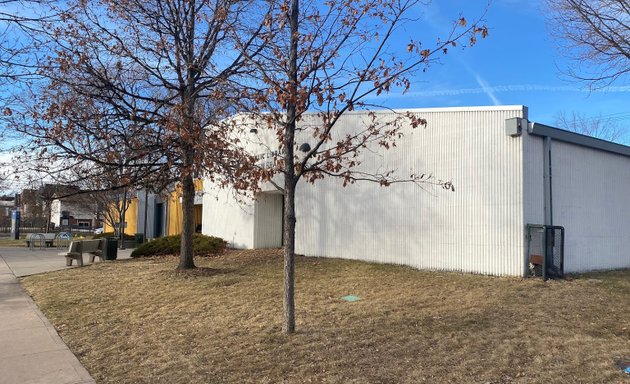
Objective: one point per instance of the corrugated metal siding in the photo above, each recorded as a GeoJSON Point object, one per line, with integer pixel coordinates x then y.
{"type": "Point", "coordinates": [268, 220]}
{"type": "Point", "coordinates": [591, 199]}
{"type": "Point", "coordinates": [153, 200]}
{"type": "Point", "coordinates": [478, 228]}
{"type": "Point", "coordinates": [533, 186]}
{"type": "Point", "coordinates": [225, 217]}
{"type": "Point", "coordinates": [142, 203]}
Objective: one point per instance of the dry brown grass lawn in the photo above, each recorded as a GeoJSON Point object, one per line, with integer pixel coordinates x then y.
{"type": "Point", "coordinates": [8, 242]}
{"type": "Point", "coordinates": [140, 322]}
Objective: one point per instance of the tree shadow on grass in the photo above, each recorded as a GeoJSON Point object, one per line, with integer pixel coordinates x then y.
{"type": "Point", "coordinates": [201, 272]}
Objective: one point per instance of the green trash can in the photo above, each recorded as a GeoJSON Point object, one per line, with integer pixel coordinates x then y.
{"type": "Point", "coordinates": [110, 251]}
{"type": "Point", "coordinates": [139, 238]}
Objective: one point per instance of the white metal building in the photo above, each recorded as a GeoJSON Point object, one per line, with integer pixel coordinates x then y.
{"type": "Point", "coordinates": [507, 173]}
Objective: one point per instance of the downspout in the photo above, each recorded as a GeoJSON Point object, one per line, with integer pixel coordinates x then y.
{"type": "Point", "coordinates": [547, 181]}
{"type": "Point", "coordinates": [548, 199]}
{"type": "Point", "coordinates": [123, 219]}
{"type": "Point", "coordinates": [514, 127]}
{"type": "Point", "coordinates": [165, 212]}
{"type": "Point", "coordinates": [535, 129]}
{"type": "Point", "coordinates": [146, 209]}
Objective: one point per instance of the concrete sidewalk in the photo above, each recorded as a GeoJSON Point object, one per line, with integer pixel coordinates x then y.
{"type": "Point", "coordinates": [31, 351]}
{"type": "Point", "coordinates": [23, 261]}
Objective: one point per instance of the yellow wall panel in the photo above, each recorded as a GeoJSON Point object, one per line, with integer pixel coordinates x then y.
{"type": "Point", "coordinates": [131, 217]}
{"type": "Point", "coordinates": [175, 213]}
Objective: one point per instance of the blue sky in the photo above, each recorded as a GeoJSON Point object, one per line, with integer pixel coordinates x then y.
{"type": "Point", "coordinates": [519, 63]}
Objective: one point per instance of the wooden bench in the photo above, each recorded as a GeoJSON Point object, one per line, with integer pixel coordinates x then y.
{"type": "Point", "coordinates": [34, 238]}
{"type": "Point", "coordinates": [76, 249]}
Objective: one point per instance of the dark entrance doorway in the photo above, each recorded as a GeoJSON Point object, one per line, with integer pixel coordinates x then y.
{"type": "Point", "coordinates": [158, 223]}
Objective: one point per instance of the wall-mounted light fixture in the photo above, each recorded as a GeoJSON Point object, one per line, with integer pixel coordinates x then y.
{"type": "Point", "coordinates": [305, 147]}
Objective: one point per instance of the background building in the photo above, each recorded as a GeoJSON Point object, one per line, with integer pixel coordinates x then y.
{"type": "Point", "coordinates": [77, 212]}
{"type": "Point", "coordinates": [35, 205]}
{"type": "Point", "coordinates": [163, 212]}
{"type": "Point", "coordinates": [7, 205]}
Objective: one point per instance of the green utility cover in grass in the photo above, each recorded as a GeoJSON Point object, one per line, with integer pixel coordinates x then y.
{"type": "Point", "coordinates": [351, 298]}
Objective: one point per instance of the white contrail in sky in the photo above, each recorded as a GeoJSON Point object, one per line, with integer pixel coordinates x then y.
{"type": "Point", "coordinates": [487, 89]}
{"type": "Point", "coordinates": [509, 88]}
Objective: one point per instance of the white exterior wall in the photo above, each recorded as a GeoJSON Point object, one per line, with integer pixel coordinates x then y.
{"type": "Point", "coordinates": [499, 182]}
{"type": "Point", "coordinates": [232, 217]}
{"type": "Point", "coordinates": [142, 203]}
{"type": "Point", "coordinates": [78, 211]}
{"type": "Point", "coordinates": [268, 220]}
{"type": "Point", "coordinates": [478, 228]}
{"type": "Point", "coordinates": [591, 200]}
{"type": "Point", "coordinates": [533, 186]}
{"type": "Point", "coordinates": [226, 217]}
{"type": "Point", "coordinates": [243, 224]}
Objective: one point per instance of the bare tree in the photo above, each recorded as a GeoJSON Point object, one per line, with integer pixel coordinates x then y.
{"type": "Point", "coordinates": [113, 205]}
{"type": "Point", "coordinates": [596, 36]}
{"type": "Point", "coordinates": [320, 61]}
{"type": "Point", "coordinates": [144, 85]}
{"type": "Point", "coordinates": [601, 127]}
{"type": "Point", "coordinates": [19, 49]}
{"type": "Point", "coordinates": [110, 199]}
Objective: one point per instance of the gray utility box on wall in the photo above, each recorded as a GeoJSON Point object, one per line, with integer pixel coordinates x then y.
{"type": "Point", "coordinates": [514, 126]}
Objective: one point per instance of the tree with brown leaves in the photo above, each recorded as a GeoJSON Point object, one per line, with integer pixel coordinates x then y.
{"type": "Point", "coordinates": [141, 89]}
{"type": "Point", "coordinates": [321, 60]}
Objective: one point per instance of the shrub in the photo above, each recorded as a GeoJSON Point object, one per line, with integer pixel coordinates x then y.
{"type": "Point", "coordinates": [111, 234]}
{"type": "Point", "coordinates": [170, 245]}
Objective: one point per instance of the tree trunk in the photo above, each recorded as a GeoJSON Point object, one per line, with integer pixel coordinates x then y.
{"type": "Point", "coordinates": [186, 260]}
{"type": "Point", "coordinates": [186, 256]}
{"type": "Point", "coordinates": [48, 218]}
{"type": "Point", "coordinates": [288, 325]}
